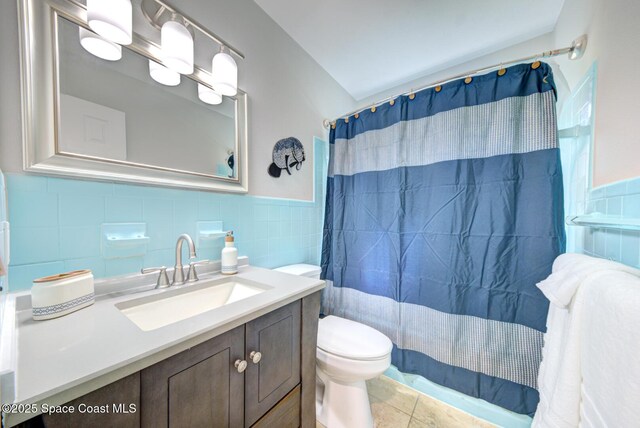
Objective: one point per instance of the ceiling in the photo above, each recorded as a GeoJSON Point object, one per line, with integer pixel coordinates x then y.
{"type": "Point", "coordinates": [368, 46]}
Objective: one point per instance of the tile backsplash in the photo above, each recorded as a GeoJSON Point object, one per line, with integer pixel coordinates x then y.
{"type": "Point", "coordinates": [622, 200]}
{"type": "Point", "coordinates": [56, 224]}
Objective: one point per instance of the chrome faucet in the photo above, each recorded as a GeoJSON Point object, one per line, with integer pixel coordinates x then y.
{"type": "Point", "coordinates": [178, 272]}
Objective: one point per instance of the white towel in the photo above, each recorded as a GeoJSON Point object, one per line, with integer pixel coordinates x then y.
{"type": "Point", "coordinates": [610, 350]}
{"type": "Point", "coordinates": [560, 375]}
{"type": "Point", "coordinates": [569, 271]}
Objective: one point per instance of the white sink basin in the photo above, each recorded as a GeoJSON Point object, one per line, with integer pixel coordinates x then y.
{"type": "Point", "coordinates": [152, 312]}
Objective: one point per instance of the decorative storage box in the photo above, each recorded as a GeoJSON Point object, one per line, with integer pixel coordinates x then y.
{"type": "Point", "coordinates": [58, 295]}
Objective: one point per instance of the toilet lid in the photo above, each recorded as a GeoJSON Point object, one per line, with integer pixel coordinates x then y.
{"type": "Point", "coordinates": [351, 339]}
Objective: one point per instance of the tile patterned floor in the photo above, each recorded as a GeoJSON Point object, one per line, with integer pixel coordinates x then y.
{"type": "Point", "coordinates": [397, 406]}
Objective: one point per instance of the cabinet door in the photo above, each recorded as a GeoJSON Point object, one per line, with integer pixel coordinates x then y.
{"type": "Point", "coordinates": [197, 388]}
{"type": "Point", "coordinates": [276, 336]}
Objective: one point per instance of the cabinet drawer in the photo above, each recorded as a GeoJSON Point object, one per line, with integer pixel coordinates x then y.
{"type": "Point", "coordinates": [286, 414]}
{"type": "Point", "coordinates": [276, 336]}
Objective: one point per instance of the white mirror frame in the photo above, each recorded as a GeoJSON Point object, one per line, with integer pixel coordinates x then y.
{"type": "Point", "coordinates": [40, 110]}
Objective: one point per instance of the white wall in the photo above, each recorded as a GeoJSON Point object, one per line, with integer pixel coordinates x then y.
{"type": "Point", "coordinates": [530, 47]}
{"type": "Point", "coordinates": [10, 133]}
{"type": "Point", "coordinates": [289, 93]}
{"type": "Point", "coordinates": [614, 34]}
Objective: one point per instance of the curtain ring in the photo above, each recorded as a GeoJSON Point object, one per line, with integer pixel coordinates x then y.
{"type": "Point", "coordinates": [535, 65]}
{"type": "Point", "coordinates": [438, 88]}
{"type": "Point", "coordinates": [357, 115]}
{"type": "Point", "coordinates": [333, 125]}
{"type": "Point", "coordinates": [501, 71]}
{"type": "Point", "coordinates": [346, 120]}
{"type": "Point", "coordinates": [373, 109]}
{"type": "Point", "coordinates": [468, 80]}
{"type": "Point", "coordinates": [412, 96]}
{"type": "Point", "coordinates": [392, 102]}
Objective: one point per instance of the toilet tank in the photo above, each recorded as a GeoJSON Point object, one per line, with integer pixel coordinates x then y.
{"type": "Point", "coordinates": [302, 269]}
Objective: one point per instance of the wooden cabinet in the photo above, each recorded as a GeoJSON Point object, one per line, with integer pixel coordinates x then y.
{"type": "Point", "coordinates": [205, 386]}
{"type": "Point", "coordinates": [115, 405]}
{"type": "Point", "coordinates": [199, 387]}
{"type": "Point", "coordinates": [276, 336]}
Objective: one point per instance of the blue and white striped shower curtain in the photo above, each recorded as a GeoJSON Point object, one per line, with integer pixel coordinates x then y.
{"type": "Point", "coordinates": [443, 211]}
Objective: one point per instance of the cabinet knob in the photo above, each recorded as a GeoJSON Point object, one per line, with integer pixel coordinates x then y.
{"type": "Point", "coordinates": [241, 365]}
{"type": "Point", "coordinates": [255, 357]}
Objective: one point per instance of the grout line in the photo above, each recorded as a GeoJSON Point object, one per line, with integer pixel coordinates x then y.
{"type": "Point", "coordinates": [414, 406]}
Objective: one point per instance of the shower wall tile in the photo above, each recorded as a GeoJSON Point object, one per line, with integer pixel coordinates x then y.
{"type": "Point", "coordinates": [622, 200]}
{"type": "Point", "coordinates": [95, 264]}
{"type": "Point", "coordinates": [612, 245]}
{"type": "Point", "coordinates": [629, 248]}
{"type": "Point", "coordinates": [77, 210]}
{"type": "Point", "coordinates": [79, 242]}
{"type": "Point", "coordinates": [38, 209]}
{"type": "Point", "coordinates": [614, 206]}
{"type": "Point", "coordinates": [34, 245]}
{"type": "Point", "coordinates": [123, 209]}
{"type": "Point", "coordinates": [615, 189]}
{"type": "Point", "coordinates": [55, 224]}
{"type": "Point", "coordinates": [77, 187]}
{"type": "Point", "coordinates": [631, 207]}
{"type": "Point", "coordinates": [30, 183]}
{"type": "Point", "coordinates": [633, 187]}
{"type": "Point", "coordinates": [115, 267]}
{"type": "Point", "coordinates": [25, 274]}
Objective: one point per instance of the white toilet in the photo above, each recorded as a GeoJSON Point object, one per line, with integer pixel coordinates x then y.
{"type": "Point", "coordinates": [348, 354]}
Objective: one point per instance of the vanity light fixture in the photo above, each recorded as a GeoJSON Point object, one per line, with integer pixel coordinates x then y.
{"type": "Point", "coordinates": [177, 46]}
{"type": "Point", "coordinates": [112, 19]}
{"type": "Point", "coordinates": [208, 95]}
{"type": "Point", "coordinates": [177, 39]}
{"type": "Point", "coordinates": [224, 71]}
{"type": "Point", "coordinates": [99, 46]}
{"type": "Point", "coordinates": [162, 74]}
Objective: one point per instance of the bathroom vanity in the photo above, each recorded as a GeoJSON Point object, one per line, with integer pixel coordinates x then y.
{"type": "Point", "coordinates": [248, 362]}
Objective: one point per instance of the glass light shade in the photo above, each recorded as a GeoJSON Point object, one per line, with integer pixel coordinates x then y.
{"type": "Point", "coordinates": [177, 47]}
{"type": "Point", "coordinates": [225, 74]}
{"type": "Point", "coordinates": [99, 46]}
{"type": "Point", "coordinates": [162, 74]}
{"type": "Point", "coordinates": [112, 19]}
{"type": "Point", "coordinates": [208, 95]}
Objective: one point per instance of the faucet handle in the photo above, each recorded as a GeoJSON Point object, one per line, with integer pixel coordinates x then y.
{"type": "Point", "coordinates": [192, 275]}
{"type": "Point", "coordinates": [163, 278]}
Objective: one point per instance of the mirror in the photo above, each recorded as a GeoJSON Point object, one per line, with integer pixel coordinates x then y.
{"type": "Point", "coordinates": [114, 110]}
{"type": "Point", "coordinates": [89, 117]}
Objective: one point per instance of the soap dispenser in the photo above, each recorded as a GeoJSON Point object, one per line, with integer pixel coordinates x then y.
{"type": "Point", "coordinates": [229, 257]}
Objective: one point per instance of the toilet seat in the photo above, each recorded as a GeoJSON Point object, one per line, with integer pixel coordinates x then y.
{"type": "Point", "coordinates": [352, 340]}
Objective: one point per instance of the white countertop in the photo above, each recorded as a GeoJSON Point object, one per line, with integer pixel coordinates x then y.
{"type": "Point", "coordinates": [64, 358]}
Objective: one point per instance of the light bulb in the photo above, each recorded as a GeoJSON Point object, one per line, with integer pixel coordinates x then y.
{"type": "Point", "coordinates": [99, 46]}
{"type": "Point", "coordinates": [208, 95]}
{"type": "Point", "coordinates": [177, 47]}
{"type": "Point", "coordinates": [225, 74]}
{"type": "Point", "coordinates": [162, 74]}
{"type": "Point", "coordinates": [112, 19]}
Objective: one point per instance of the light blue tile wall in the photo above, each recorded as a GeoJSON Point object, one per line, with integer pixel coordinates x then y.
{"type": "Point", "coordinates": [621, 200]}
{"type": "Point", "coordinates": [55, 224]}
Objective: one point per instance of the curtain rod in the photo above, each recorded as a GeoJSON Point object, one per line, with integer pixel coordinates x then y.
{"type": "Point", "coordinates": [575, 51]}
